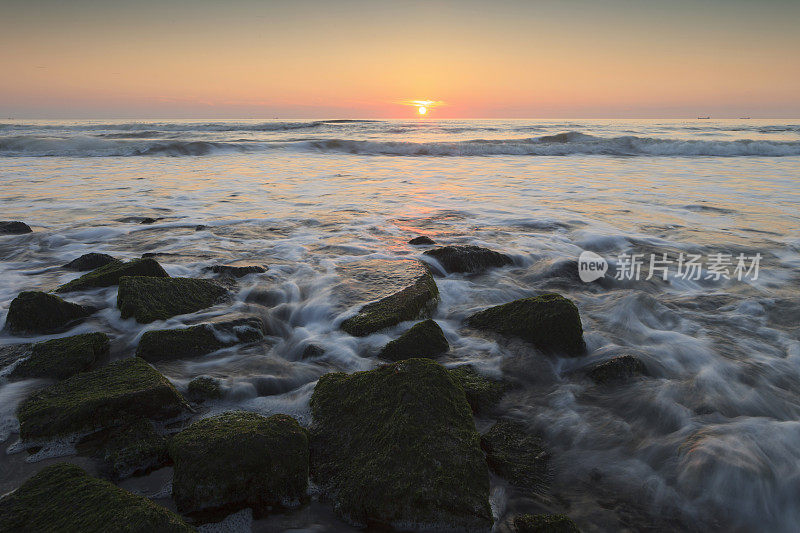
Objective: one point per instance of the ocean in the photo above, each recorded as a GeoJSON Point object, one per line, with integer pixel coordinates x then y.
{"type": "Point", "coordinates": [708, 440]}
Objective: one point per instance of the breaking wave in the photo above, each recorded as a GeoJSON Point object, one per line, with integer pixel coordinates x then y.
{"type": "Point", "coordinates": [562, 144]}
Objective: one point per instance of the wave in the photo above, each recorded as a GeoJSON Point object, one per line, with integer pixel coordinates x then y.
{"type": "Point", "coordinates": [562, 144]}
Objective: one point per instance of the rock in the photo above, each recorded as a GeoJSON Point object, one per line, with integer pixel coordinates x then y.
{"type": "Point", "coordinates": [414, 301]}
{"type": "Point", "coordinates": [616, 370]}
{"type": "Point", "coordinates": [150, 220]}
{"type": "Point", "coordinates": [131, 449]}
{"type": "Point", "coordinates": [110, 274]}
{"type": "Point", "coordinates": [40, 312]}
{"type": "Point", "coordinates": [236, 271]}
{"type": "Point", "coordinates": [422, 239]}
{"type": "Point", "coordinates": [550, 322]}
{"type": "Point", "coordinates": [482, 393]}
{"type": "Point", "coordinates": [90, 261]}
{"type": "Point", "coordinates": [240, 459]}
{"type": "Point", "coordinates": [396, 446]}
{"type": "Point", "coordinates": [544, 523]}
{"type": "Point", "coordinates": [148, 299]}
{"type": "Point", "coordinates": [468, 259]}
{"type": "Point", "coordinates": [125, 389]}
{"type": "Point", "coordinates": [515, 455]}
{"type": "Point", "coordinates": [62, 358]}
{"type": "Point", "coordinates": [311, 351]}
{"type": "Point", "coordinates": [205, 388]}
{"type": "Point", "coordinates": [63, 497]}
{"type": "Point", "coordinates": [424, 339]}
{"type": "Point", "coordinates": [14, 227]}
{"type": "Point", "coordinates": [157, 345]}
{"type": "Point", "coordinates": [200, 227]}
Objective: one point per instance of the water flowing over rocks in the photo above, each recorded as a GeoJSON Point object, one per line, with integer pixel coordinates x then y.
{"type": "Point", "coordinates": [468, 259]}
{"type": "Point", "coordinates": [157, 345]}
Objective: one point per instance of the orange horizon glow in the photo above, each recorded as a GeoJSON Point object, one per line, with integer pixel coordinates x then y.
{"type": "Point", "coordinates": [307, 59]}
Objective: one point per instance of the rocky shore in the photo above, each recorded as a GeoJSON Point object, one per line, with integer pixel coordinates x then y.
{"type": "Point", "coordinates": [392, 447]}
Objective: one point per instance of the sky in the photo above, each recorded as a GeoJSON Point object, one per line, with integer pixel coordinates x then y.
{"type": "Point", "coordinates": [365, 59]}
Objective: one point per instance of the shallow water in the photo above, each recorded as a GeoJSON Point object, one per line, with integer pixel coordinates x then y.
{"type": "Point", "coordinates": [708, 441]}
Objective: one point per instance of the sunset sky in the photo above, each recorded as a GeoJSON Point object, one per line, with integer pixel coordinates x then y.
{"type": "Point", "coordinates": [320, 59]}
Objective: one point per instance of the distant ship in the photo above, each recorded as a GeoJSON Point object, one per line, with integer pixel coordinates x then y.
{"type": "Point", "coordinates": [703, 118]}
{"type": "Point", "coordinates": [744, 118]}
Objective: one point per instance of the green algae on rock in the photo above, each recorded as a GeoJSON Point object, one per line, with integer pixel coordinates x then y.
{"type": "Point", "coordinates": [544, 523]}
{"type": "Point", "coordinates": [515, 455]}
{"type": "Point", "coordinates": [418, 300]}
{"type": "Point", "coordinates": [158, 345]}
{"type": "Point", "coordinates": [616, 370]}
{"type": "Point", "coordinates": [110, 274]}
{"type": "Point", "coordinates": [132, 448]}
{"type": "Point", "coordinates": [482, 393]}
{"type": "Point", "coordinates": [148, 299]}
{"type": "Point", "coordinates": [397, 446]}
{"type": "Point", "coordinates": [240, 459]}
{"type": "Point", "coordinates": [205, 388]}
{"type": "Point", "coordinates": [63, 498]}
{"type": "Point", "coordinates": [550, 322]}
{"type": "Point", "coordinates": [105, 397]}
{"type": "Point", "coordinates": [424, 339]}
{"type": "Point", "coordinates": [40, 312]}
{"type": "Point", "coordinates": [234, 271]}
{"type": "Point", "coordinates": [468, 259]}
{"type": "Point", "coordinates": [62, 358]}
{"type": "Point", "coordinates": [90, 261]}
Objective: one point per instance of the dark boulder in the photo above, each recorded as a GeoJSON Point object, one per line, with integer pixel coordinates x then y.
{"type": "Point", "coordinates": [205, 388]}
{"type": "Point", "coordinates": [396, 446]}
{"type": "Point", "coordinates": [120, 391]}
{"type": "Point", "coordinates": [544, 523]}
{"type": "Point", "coordinates": [40, 312]}
{"type": "Point", "coordinates": [236, 271]}
{"type": "Point", "coordinates": [64, 498]}
{"type": "Point", "coordinates": [550, 322]}
{"type": "Point", "coordinates": [515, 455]}
{"type": "Point", "coordinates": [424, 339]}
{"type": "Point", "coordinates": [482, 393]}
{"type": "Point", "coordinates": [132, 448]}
{"type": "Point", "coordinates": [148, 299]}
{"type": "Point", "coordinates": [616, 370]}
{"type": "Point", "coordinates": [90, 261]}
{"type": "Point", "coordinates": [157, 345]}
{"type": "Point", "coordinates": [14, 227]}
{"type": "Point", "coordinates": [421, 240]}
{"type": "Point", "coordinates": [62, 358]}
{"type": "Point", "coordinates": [240, 459]}
{"type": "Point", "coordinates": [110, 274]}
{"type": "Point", "coordinates": [417, 300]}
{"type": "Point", "coordinates": [468, 259]}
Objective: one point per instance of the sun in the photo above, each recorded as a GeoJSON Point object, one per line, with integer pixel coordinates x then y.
{"type": "Point", "coordinates": [422, 110]}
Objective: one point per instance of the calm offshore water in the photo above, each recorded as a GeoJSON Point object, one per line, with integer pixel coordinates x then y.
{"type": "Point", "coordinates": [709, 441]}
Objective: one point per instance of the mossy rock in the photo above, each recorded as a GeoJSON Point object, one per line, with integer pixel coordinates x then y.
{"type": "Point", "coordinates": [237, 460]}
{"type": "Point", "coordinates": [110, 274]}
{"type": "Point", "coordinates": [130, 449]}
{"type": "Point", "coordinates": [544, 523]}
{"type": "Point", "coordinates": [421, 241]}
{"type": "Point", "coordinates": [40, 312]}
{"type": "Point", "coordinates": [424, 339]}
{"type": "Point", "coordinates": [517, 456]}
{"type": "Point", "coordinates": [63, 498]}
{"type": "Point", "coordinates": [164, 344]}
{"type": "Point", "coordinates": [415, 301]}
{"type": "Point", "coordinates": [105, 397]}
{"type": "Point", "coordinates": [550, 322]}
{"type": "Point", "coordinates": [205, 388]}
{"type": "Point", "coordinates": [616, 370]}
{"type": "Point", "coordinates": [62, 358]}
{"type": "Point", "coordinates": [90, 261]}
{"type": "Point", "coordinates": [237, 271]}
{"type": "Point", "coordinates": [468, 259]}
{"type": "Point", "coordinates": [14, 227]}
{"type": "Point", "coordinates": [482, 393]}
{"type": "Point", "coordinates": [396, 446]}
{"type": "Point", "coordinates": [148, 299]}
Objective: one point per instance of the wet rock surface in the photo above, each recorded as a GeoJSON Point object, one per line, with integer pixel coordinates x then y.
{"type": "Point", "coordinates": [148, 298]}
{"type": "Point", "coordinates": [40, 312]}
{"type": "Point", "coordinates": [237, 271]}
{"type": "Point", "coordinates": [515, 455]}
{"type": "Point", "coordinates": [90, 261]}
{"type": "Point", "coordinates": [424, 339]}
{"type": "Point", "coordinates": [110, 274]}
{"type": "Point", "coordinates": [550, 322]}
{"type": "Point", "coordinates": [619, 369]}
{"type": "Point", "coordinates": [482, 393]}
{"type": "Point", "coordinates": [157, 345]}
{"type": "Point", "coordinates": [397, 446]}
{"type": "Point", "coordinates": [205, 388]}
{"type": "Point", "coordinates": [14, 227]}
{"type": "Point", "coordinates": [240, 459]}
{"type": "Point", "coordinates": [468, 259]}
{"type": "Point", "coordinates": [61, 358]}
{"type": "Point", "coordinates": [421, 240]}
{"type": "Point", "coordinates": [544, 523]}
